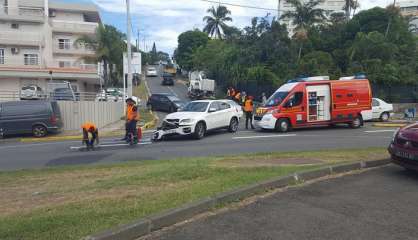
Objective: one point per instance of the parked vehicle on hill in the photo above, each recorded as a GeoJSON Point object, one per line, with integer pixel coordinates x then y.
{"type": "Point", "coordinates": [381, 110]}
{"type": "Point", "coordinates": [200, 87]}
{"type": "Point", "coordinates": [164, 102]}
{"type": "Point", "coordinates": [404, 147]}
{"type": "Point", "coordinates": [199, 117]}
{"type": "Point", "coordinates": [317, 101]}
{"type": "Point", "coordinates": [36, 117]}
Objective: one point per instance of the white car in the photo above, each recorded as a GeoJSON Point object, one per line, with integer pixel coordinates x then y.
{"type": "Point", "coordinates": [31, 92]}
{"type": "Point", "coordinates": [381, 110]}
{"type": "Point", "coordinates": [152, 72]}
{"type": "Point", "coordinates": [199, 117]}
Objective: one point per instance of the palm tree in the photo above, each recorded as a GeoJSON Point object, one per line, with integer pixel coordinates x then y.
{"type": "Point", "coordinates": [215, 23]}
{"type": "Point", "coordinates": [107, 44]}
{"type": "Point", "coordinates": [303, 17]}
{"type": "Point", "coordinates": [349, 7]}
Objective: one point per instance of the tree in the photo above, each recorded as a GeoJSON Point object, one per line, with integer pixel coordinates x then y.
{"type": "Point", "coordinates": [305, 16]}
{"type": "Point", "coordinates": [109, 45]}
{"type": "Point", "coordinates": [349, 7]}
{"type": "Point", "coordinates": [215, 23]}
{"type": "Point", "coordinates": [188, 42]}
{"type": "Point", "coordinates": [154, 54]}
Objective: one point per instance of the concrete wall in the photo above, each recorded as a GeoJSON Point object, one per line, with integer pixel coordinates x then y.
{"type": "Point", "coordinates": [69, 16]}
{"type": "Point", "coordinates": [74, 114]}
{"type": "Point", "coordinates": [400, 107]}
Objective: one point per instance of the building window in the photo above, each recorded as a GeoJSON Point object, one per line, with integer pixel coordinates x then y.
{"type": "Point", "coordinates": [64, 44]}
{"type": "Point", "coordinates": [1, 56]}
{"type": "Point", "coordinates": [64, 64]}
{"type": "Point", "coordinates": [15, 26]}
{"type": "Point", "coordinates": [31, 59]}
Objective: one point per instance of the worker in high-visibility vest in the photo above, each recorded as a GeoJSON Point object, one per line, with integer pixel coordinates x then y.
{"type": "Point", "coordinates": [248, 109]}
{"type": "Point", "coordinates": [90, 129]}
{"type": "Point", "coordinates": [132, 117]}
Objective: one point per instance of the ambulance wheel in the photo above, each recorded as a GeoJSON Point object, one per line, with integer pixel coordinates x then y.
{"type": "Point", "coordinates": [282, 125]}
{"type": "Point", "coordinates": [356, 123]}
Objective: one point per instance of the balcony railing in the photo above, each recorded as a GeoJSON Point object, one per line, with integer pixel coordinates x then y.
{"type": "Point", "coordinates": [20, 38]}
{"type": "Point", "coordinates": [73, 49]}
{"type": "Point", "coordinates": [74, 27]}
{"type": "Point", "coordinates": [19, 61]}
{"type": "Point", "coordinates": [28, 13]}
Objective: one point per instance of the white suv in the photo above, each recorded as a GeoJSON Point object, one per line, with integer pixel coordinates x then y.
{"type": "Point", "coordinates": [198, 117]}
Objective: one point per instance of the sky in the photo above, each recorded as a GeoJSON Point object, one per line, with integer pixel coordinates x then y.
{"type": "Point", "coordinates": [161, 21]}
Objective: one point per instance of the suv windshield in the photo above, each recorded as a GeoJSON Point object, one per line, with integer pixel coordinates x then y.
{"type": "Point", "coordinates": [276, 99]}
{"type": "Point", "coordinates": [174, 99]}
{"type": "Point", "coordinates": [196, 107]}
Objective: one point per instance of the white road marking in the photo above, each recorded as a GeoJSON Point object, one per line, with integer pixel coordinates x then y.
{"type": "Point", "coordinates": [380, 131]}
{"type": "Point", "coordinates": [265, 136]}
{"type": "Point", "coordinates": [36, 144]}
{"type": "Point", "coordinates": [171, 90]}
{"type": "Point", "coordinates": [112, 145]}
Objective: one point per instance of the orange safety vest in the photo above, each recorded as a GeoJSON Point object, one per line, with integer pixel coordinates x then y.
{"type": "Point", "coordinates": [89, 127]}
{"type": "Point", "coordinates": [132, 113]}
{"type": "Point", "coordinates": [248, 105]}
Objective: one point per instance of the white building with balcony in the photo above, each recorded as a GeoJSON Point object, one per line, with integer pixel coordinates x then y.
{"type": "Point", "coordinates": [38, 37]}
{"type": "Point", "coordinates": [409, 8]}
{"type": "Point", "coordinates": [330, 6]}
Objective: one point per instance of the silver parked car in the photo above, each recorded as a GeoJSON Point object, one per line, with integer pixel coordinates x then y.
{"type": "Point", "coordinates": [31, 92]}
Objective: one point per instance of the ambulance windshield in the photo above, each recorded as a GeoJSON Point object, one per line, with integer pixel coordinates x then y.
{"type": "Point", "coordinates": [276, 99]}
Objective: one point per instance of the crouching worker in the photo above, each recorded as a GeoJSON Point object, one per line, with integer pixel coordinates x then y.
{"type": "Point", "coordinates": [132, 118]}
{"type": "Point", "coordinates": [89, 129]}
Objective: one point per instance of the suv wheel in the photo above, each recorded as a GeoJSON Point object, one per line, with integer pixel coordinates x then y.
{"type": "Point", "coordinates": [39, 131]}
{"type": "Point", "coordinates": [233, 125]}
{"type": "Point", "coordinates": [200, 130]}
{"type": "Point", "coordinates": [282, 125]}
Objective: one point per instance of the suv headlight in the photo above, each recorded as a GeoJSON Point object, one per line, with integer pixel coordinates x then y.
{"type": "Point", "coordinates": [186, 121]}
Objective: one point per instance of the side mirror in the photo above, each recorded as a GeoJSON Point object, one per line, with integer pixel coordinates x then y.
{"type": "Point", "coordinates": [211, 110]}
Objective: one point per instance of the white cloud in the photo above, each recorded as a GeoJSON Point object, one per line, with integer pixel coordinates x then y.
{"type": "Point", "coordinates": [163, 20]}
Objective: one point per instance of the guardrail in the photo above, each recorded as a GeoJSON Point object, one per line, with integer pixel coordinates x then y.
{"type": "Point", "coordinates": [57, 96]}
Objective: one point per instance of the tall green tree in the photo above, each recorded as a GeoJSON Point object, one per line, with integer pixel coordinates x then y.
{"type": "Point", "coordinates": [188, 42]}
{"type": "Point", "coordinates": [304, 17]}
{"type": "Point", "coordinates": [109, 46]}
{"type": "Point", "coordinates": [349, 8]}
{"type": "Point", "coordinates": [215, 22]}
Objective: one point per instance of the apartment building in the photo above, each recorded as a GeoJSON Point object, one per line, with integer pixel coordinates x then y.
{"type": "Point", "coordinates": [329, 6]}
{"type": "Point", "coordinates": [38, 44]}
{"type": "Point", "coordinates": [410, 8]}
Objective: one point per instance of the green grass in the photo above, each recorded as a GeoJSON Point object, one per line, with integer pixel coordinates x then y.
{"type": "Point", "coordinates": [72, 202]}
{"type": "Point", "coordinates": [142, 93]}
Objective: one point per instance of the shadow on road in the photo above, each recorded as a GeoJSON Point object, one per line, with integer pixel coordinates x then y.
{"type": "Point", "coordinates": [76, 160]}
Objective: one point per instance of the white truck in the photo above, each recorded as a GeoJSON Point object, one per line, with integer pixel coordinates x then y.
{"type": "Point", "coordinates": [200, 87]}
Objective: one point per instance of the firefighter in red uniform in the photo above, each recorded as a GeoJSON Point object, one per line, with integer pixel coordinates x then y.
{"type": "Point", "coordinates": [90, 129]}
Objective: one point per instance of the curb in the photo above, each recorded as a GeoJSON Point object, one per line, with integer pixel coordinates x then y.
{"type": "Point", "coordinates": [389, 124]}
{"type": "Point", "coordinates": [145, 226]}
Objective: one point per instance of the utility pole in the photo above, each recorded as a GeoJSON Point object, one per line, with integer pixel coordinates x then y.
{"type": "Point", "coordinates": [129, 54]}
{"type": "Point", "coordinates": [278, 10]}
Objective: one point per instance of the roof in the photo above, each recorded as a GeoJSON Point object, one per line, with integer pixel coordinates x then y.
{"type": "Point", "coordinates": [78, 7]}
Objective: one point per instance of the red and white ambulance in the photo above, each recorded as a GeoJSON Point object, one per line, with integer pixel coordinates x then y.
{"type": "Point", "coordinates": [317, 101]}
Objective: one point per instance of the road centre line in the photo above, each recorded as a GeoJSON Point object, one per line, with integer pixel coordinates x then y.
{"type": "Point", "coordinates": [175, 94]}
{"type": "Point", "coordinates": [380, 131]}
{"type": "Point", "coordinates": [265, 136]}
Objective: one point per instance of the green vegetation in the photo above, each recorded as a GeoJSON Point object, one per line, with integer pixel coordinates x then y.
{"type": "Point", "coordinates": [72, 202]}
{"type": "Point", "coordinates": [378, 42]}
{"type": "Point", "coordinates": [141, 92]}
{"type": "Point", "coordinates": [215, 23]}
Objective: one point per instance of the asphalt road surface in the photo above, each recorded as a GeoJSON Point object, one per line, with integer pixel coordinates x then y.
{"type": "Point", "coordinates": [15, 156]}
{"type": "Point", "coordinates": [378, 204]}
{"type": "Point", "coordinates": [37, 155]}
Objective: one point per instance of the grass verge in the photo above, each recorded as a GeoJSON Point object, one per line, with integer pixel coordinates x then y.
{"type": "Point", "coordinates": [141, 92]}
{"type": "Point", "coordinates": [72, 202]}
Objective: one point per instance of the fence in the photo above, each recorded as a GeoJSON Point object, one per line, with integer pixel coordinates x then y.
{"type": "Point", "coordinates": [65, 95]}
{"type": "Point", "coordinates": [74, 114]}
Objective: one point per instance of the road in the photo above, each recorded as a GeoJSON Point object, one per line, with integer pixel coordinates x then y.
{"type": "Point", "coordinates": [38, 155]}
{"type": "Point", "coordinates": [378, 204]}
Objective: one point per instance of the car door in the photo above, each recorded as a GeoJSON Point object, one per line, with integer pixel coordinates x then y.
{"type": "Point", "coordinates": [165, 103]}
{"type": "Point", "coordinates": [214, 119]}
{"type": "Point", "coordinates": [227, 114]}
{"type": "Point", "coordinates": [377, 108]}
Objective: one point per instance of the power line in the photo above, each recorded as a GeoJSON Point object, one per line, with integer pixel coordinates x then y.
{"type": "Point", "coordinates": [243, 6]}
